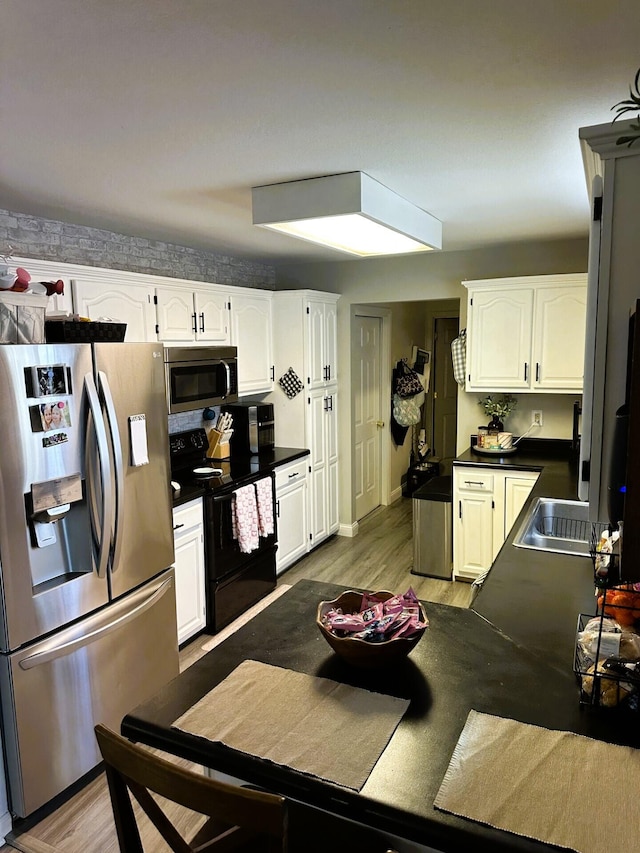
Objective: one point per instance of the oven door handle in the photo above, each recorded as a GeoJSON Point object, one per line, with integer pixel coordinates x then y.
{"type": "Point", "coordinates": [220, 498]}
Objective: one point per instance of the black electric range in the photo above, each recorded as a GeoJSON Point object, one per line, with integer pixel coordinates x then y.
{"type": "Point", "coordinates": [235, 580]}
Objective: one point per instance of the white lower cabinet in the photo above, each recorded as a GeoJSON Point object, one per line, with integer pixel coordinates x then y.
{"type": "Point", "coordinates": [188, 532]}
{"type": "Point", "coordinates": [292, 497]}
{"type": "Point", "coordinates": [486, 503]}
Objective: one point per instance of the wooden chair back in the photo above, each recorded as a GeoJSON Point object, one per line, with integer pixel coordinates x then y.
{"type": "Point", "coordinates": [239, 819]}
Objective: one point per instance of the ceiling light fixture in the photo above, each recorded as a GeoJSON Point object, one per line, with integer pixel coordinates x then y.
{"type": "Point", "coordinates": [350, 212]}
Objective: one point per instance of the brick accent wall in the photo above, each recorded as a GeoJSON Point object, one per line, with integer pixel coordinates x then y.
{"type": "Point", "coordinates": [50, 240]}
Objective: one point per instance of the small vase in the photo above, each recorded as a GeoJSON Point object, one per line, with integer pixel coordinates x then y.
{"type": "Point", "coordinates": [495, 424]}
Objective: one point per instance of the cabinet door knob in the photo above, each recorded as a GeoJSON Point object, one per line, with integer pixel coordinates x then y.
{"type": "Point", "coordinates": [202, 322]}
{"type": "Point", "coordinates": [380, 424]}
{"type": "Point", "coordinates": [195, 323]}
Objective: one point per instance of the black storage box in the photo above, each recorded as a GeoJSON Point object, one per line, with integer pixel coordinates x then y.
{"type": "Point", "coordinates": [82, 332]}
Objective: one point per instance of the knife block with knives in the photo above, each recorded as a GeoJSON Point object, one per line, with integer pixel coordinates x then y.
{"type": "Point", "coordinates": [219, 437]}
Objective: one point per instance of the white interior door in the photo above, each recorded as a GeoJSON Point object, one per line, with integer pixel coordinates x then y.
{"type": "Point", "coordinates": [365, 377]}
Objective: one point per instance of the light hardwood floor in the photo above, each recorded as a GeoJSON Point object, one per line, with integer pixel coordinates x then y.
{"type": "Point", "coordinates": [379, 557]}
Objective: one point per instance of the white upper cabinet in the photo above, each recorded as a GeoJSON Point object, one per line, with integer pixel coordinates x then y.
{"type": "Point", "coordinates": [526, 334]}
{"type": "Point", "coordinates": [499, 328]}
{"type": "Point", "coordinates": [192, 316]}
{"type": "Point", "coordinates": [321, 341]}
{"type": "Point", "coordinates": [559, 337]}
{"type": "Point", "coordinates": [125, 303]}
{"type": "Point", "coordinates": [251, 333]}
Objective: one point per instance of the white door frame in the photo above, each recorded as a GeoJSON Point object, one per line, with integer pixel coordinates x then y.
{"type": "Point", "coordinates": [385, 315]}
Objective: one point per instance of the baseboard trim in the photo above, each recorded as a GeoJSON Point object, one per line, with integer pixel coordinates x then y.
{"type": "Point", "coordinates": [349, 530]}
{"type": "Point", "coordinates": [395, 495]}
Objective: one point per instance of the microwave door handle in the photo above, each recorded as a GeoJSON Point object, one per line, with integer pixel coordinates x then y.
{"type": "Point", "coordinates": [102, 449]}
{"type": "Point", "coordinates": [116, 445]}
{"type": "Point", "coordinates": [227, 371]}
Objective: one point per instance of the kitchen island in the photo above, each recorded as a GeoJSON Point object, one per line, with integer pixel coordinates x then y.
{"type": "Point", "coordinates": [510, 656]}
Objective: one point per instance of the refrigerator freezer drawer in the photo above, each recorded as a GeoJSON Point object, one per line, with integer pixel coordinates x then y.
{"type": "Point", "coordinates": [55, 691]}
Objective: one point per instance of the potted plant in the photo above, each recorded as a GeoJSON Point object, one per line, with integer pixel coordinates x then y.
{"type": "Point", "coordinates": [631, 104]}
{"type": "Point", "coordinates": [498, 408]}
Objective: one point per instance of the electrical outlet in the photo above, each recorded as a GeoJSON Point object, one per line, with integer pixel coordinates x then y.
{"type": "Point", "coordinates": [536, 417]}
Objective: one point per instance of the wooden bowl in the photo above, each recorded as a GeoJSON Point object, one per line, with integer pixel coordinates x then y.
{"type": "Point", "coordinates": [361, 652]}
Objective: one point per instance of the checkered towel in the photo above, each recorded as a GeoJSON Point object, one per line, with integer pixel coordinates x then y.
{"type": "Point", "coordinates": [244, 514]}
{"type": "Point", "coordinates": [264, 498]}
{"type": "Point", "coordinates": [290, 383]}
{"type": "Point", "coordinates": [459, 357]}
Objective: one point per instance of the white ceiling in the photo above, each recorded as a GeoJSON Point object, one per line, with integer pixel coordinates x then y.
{"type": "Point", "coordinates": [156, 117]}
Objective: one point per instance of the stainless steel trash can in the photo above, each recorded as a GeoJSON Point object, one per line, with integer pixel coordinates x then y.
{"type": "Point", "coordinates": [433, 529]}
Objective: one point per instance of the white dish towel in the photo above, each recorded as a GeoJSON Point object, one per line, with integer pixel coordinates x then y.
{"type": "Point", "coordinates": [264, 496]}
{"type": "Point", "coordinates": [244, 516]}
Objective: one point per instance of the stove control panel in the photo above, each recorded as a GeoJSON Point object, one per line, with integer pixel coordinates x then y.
{"type": "Point", "coordinates": [186, 443]}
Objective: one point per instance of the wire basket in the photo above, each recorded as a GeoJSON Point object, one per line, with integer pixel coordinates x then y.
{"type": "Point", "coordinates": [82, 332]}
{"type": "Point", "coordinates": [606, 677]}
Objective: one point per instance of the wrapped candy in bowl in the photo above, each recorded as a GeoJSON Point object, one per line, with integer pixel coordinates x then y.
{"type": "Point", "coordinates": [372, 629]}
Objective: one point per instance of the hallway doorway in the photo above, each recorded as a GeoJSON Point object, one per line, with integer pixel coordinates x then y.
{"type": "Point", "coordinates": [445, 391]}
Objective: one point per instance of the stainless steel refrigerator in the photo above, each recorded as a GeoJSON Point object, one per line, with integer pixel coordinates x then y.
{"type": "Point", "coordinates": [87, 615]}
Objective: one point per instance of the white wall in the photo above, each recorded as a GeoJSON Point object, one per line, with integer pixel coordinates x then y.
{"type": "Point", "coordinates": [433, 276]}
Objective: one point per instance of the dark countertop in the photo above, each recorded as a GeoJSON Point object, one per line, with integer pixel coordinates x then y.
{"type": "Point", "coordinates": [535, 597]}
{"type": "Point", "coordinates": [241, 467]}
{"type": "Point", "coordinates": [462, 663]}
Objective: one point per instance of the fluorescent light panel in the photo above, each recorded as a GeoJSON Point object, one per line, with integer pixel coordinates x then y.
{"type": "Point", "coordinates": [350, 212]}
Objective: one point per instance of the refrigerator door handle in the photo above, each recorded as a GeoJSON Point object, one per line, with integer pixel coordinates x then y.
{"type": "Point", "coordinates": [103, 540]}
{"type": "Point", "coordinates": [58, 650]}
{"type": "Point", "coordinates": [112, 423]}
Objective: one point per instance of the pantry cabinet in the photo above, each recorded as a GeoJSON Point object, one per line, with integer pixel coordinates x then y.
{"type": "Point", "coordinates": [323, 444]}
{"type": "Point", "coordinates": [192, 316]}
{"type": "Point", "coordinates": [292, 512]}
{"type": "Point", "coordinates": [486, 503]}
{"type": "Point", "coordinates": [251, 333]}
{"type": "Point", "coordinates": [188, 532]}
{"type": "Point", "coordinates": [304, 335]}
{"type": "Point", "coordinates": [526, 334]}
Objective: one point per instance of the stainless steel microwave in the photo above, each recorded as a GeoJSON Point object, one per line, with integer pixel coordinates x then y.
{"type": "Point", "coordinates": [197, 377]}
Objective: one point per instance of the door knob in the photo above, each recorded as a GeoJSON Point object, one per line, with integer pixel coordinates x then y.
{"type": "Point", "coordinates": [380, 424]}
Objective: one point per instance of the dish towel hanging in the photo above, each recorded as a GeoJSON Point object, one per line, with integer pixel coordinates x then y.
{"type": "Point", "coordinates": [244, 513]}
{"type": "Point", "coordinates": [264, 498]}
{"type": "Point", "coordinates": [459, 357]}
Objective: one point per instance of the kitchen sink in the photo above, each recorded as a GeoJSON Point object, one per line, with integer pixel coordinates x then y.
{"type": "Point", "coordinates": [559, 526]}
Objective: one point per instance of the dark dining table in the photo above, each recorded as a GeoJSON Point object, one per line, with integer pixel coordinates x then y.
{"type": "Point", "coordinates": [462, 663]}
